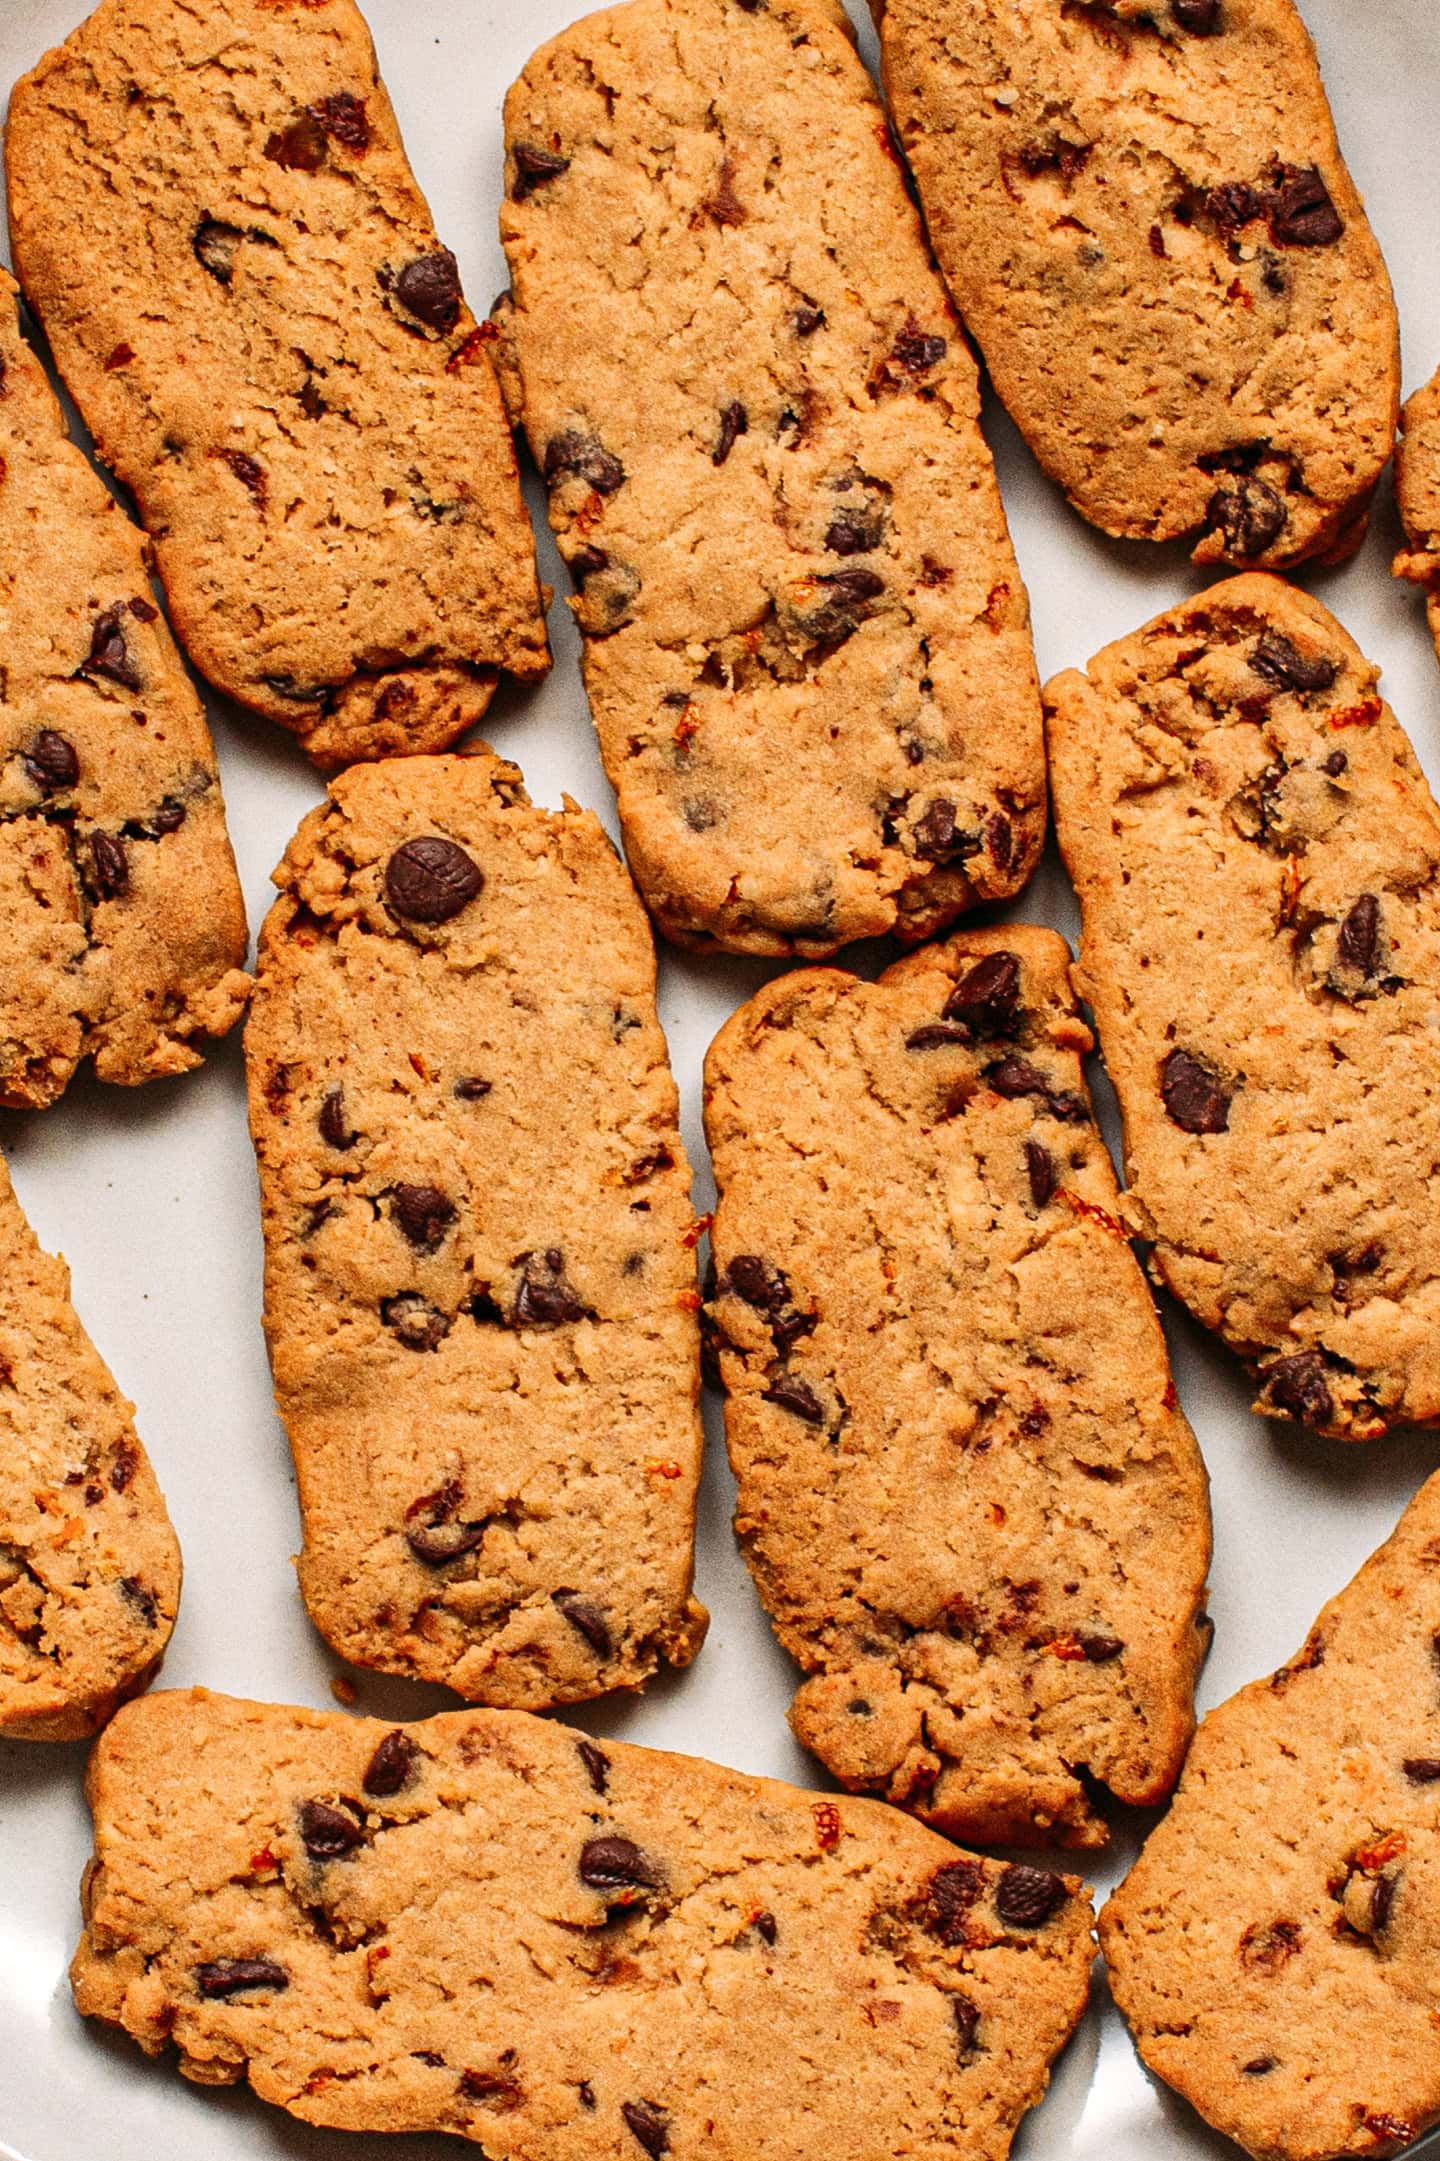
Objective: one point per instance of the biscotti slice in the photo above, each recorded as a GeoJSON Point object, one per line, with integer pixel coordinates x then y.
{"type": "Point", "coordinates": [480, 1276]}
{"type": "Point", "coordinates": [213, 214]}
{"type": "Point", "coordinates": [1276, 1948]}
{"type": "Point", "coordinates": [489, 1925]}
{"type": "Point", "coordinates": [1417, 496]}
{"type": "Point", "coordinates": [122, 929]}
{"type": "Point", "coordinates": [807, 644]}
{"type": "Point", "coordinates": [1256, 854]}
{"type": "Point", "coordinates": [969, 1501]}
{"type": "Point", "coordinates": [89, 1566]}
{"type": "Point", "coordinates": [1144, 217]}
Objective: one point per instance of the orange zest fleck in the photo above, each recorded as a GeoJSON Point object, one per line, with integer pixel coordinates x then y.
{"type": "Point", "coordinates": [1385, 1849]}
{"type": "Point", "coordinates": [1363, 715]}
{"type": "Point", "coordinates": [827, 1825]}
{"type": "Point", "coordinates": [663, 1467]}
{"type": "Point", "coordinates": [697, 1231]}
{"type": "Point", "coordinates": [466, 355]}
{"type": "Point", "coordinates": [1066, 1647]}
{"type": "Point", "coordinates": [1091, 1212]}
{"type": "Point", "coordinates": [419, 1066]}
{"type": "Point", "coordinates": [689, 1301]}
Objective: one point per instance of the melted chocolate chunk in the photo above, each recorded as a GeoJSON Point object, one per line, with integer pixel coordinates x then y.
{"type": "Point", "coordinates": [327, 1832]}
{"type": "Point", "coordinates": [51, 761]}
{"type": "Point", "coordinates": [215, 244]}
{"type": "Point", "coordinates": [222, 1977]}
{"type": "Point", "coordinates": [574, 456]}
{"type": "Point", "coordinates": [617, 1864]}
{"type": "Point", "coordinates": [1040, 1168]}
{"type": "Point", "coordinates": [586, 1618]}
{"type": "Point", "coordinates": [1299, 1387]}
{"type": "Point", "coordinates": [301, 147]}
{"type": "Point", "coordinates": [534, 168]}
{"type": "Point", "coordinates": [545, 1297]}
{"type": "Point", "coordinates": [1249, 513]}
{"type": "Point", "coordinates": [649, 2125]}
{"type": "Point", "coordinates": [424, 1215]}
{"type": "Point", "coordinates": [429, 289]}
{"type": "Point", "coordinates": [391, 1767]}
{"type": "Point", "coordinates": [967, 2025]}
{"type": "Point", "coordinates": [334, 1126]}
{"type": "Point", "coordinates": [1301, 212]}
{"type": "Point", "coordinates": [431, 880]}
{"type": "Point", "coordinates": [949, 1896]}
{"type": "Point", "coordinates": [1027, 1897]}
{"type": "Point", "coordinates": [1201, 18]}
{"type": "Point", "coordinates": [797, 1397]}
{"type": "Point", "coordinates": [1195, 1098]}
{"type": "Point", "coordinates": [109, 655]}
{"type": "Point", "coordinates": [597, 1765]}
{"type": "Point", "coordinates": [414, 1321]}
{"type": "Point", "coordinates": [1358, 945]}
{"type": "Point", "coordinates": [109, 866]}
{"type": "Point", "coordinates": [1279, 662]}
{"type": "Point", "coordinates": [987, 997]}
{"type": "Point", "coordinates": [734, 422]}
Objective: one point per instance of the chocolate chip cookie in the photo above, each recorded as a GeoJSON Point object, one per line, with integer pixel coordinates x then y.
{"type": "Point", "coordinates": [89, 1566]}
{"type": "Point", "coordinates": [1143, 214]}
{"type": "Point", "coordinates": [489, 1925]}
{"type": "Point", "coordinates": [1417, 496]}
{"type": "Point", "coordinates": [1256, 854]}
{"type": "Point", "coordinates": [970, 1503]}
{"type": "Point", "coordinates": [122, 929]}
{"type": "Point", "coordinates": [480, 1276]}
{"type": "Point", "coordinates": [807, 645]}
{"type": "Point", "coordinates": [1276, 1948]}
{"type": "Point", "coordinates": [213, 214]}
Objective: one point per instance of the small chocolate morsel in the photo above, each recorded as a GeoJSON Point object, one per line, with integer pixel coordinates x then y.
{"type": "Point", "coordinates": [51, 761]}
{"type": "Point", "coordinates": [222, 1977]}
{"type": "Point", "coordinates": [1194, 1096]}
{"type": "Point", "coordinates": [1027, 1897]}
{"type": "Point", "coordinates": [431, 879]}
{"type": "Point", "coordinates": [616, 1864]}
{"type": "Point", "coordinates": [424, 1215]}
{"type": "Point", "coordinates": [650, 2126]}
{"type": "Point", "coordinates": [429, 288]}
{"type": "Point", "coordinates": [327, 1832]}
{"type": "Point", "coordinates": [586, 1618]}
{"type": "Point", "coordinates": [392, 1765]}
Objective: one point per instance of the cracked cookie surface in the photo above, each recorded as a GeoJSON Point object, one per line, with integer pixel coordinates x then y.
{"type": "Point", "coordinates": [124, 930]}
{"type": "Point", "coordinates": [1276, 1948]}
{"type": "Point", "coordinates": [571, 1950]}
{"type": "Point", "coordinates": [480, 1275]}
{"type": "Point", "coordinates": [213, 214]}
{"type": "Point", "coordinates": [1256, 851]}
{"type": "Point", "coordinates": [1144, 217]}
{"type": "Point", "coordinates": [89, 1566]}
{"type": "Point", "coordinates": [969, 1501]}
{"type": "Point", "coordinates": [807, 645]}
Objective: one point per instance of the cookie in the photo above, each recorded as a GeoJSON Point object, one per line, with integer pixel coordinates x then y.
{"type": "Point", "coordinates": [480, 1277]}
{"type": "Point", "coordinates": [489, 1925]}
{"type": "Point", "coordinates": [807, 645]}
{"type": "Point", "coordinates": [1256, 855]}
{"type": "Point", "coordinates": [1417, 496]}
{"type": "Point", "coordinates": [212, 212]}
{"type": "Point", "coordinates": [969, 1501]}
{"type": "Point", "coordinates": [122, 929]}
{"type": "Point", "coordinates": [1144, 217]}
{"type": "Point", "coordinates": [1276, 1948]}
{"type": "Point", "coordinates": [89, 1566]}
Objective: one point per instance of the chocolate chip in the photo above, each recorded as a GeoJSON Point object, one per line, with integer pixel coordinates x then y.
{"type": "Point", "coordinates": [916, 352]}
{"type": "Point", "coordinates": [334, 1129]}
{"type": "Point", "coordinates": [806, 321]}
{"type": "Point", "coordinates": [1202, 18]}
{"type": "Point", "coordinates": [734, 422]}
{"type": "Point", "coordinates": [1195, 1097]}
{"type": "Point", "coordinates": [135, 1594]}
{"type": "Point", "coordinates": [301, 147]}
{"type": "Point", "coordinates": [587, 2093]}
{"type": "Point", "coordinates": [767, 1289]}
{"type": "Point", "coordinates": [221, 1977]}
{"type": "Point", "coordinates": [967, 2023]}
{"type": "Point", "coordinates": [766, 1927]}
{"type": "Point", "coordinates": [545, 1298]}
{"type": "Point", "coordinates": [109, 655]}
{"type": "Point", "coordinates": [423, 1213]}
{"type": "Point", "coordinates": [1422, 1770]}
{"type": "Point", "coordinates": [1299, 1388]}
{"type": "Point", "coordinates": [144, 611]}
{"type": "Point", "coordinates": [574, 455]}
{"type": "Point", "coordinates": [534, 166]}
{"type": "Point", "coordinates": [1281, 663]}
{"type": "Point", "coordinates": [344, 116]}
{"type": "Point", "coordinates": [597, 1765]}
{"type": "Point", "coordinates": [1040, 1167]}
{"type": "Point", "coordinates": [109, 866]}
{"type": "Point", "coordinates": [1027, 1897]}
{"type": "Point", "coordinates": [933, 835]}
{"type": "Point", "coordinates": [1000, 839]}
{"type": "Point", "coordinates": [414, 1321]}
{"type": "Point", "coordinates": [797, 1397]}
{"type": "Point", "coordinates": [616, 1864]}
{"type": "Point", "coordinates": [1249, 513]}
{"type": "Point", "coordinates": [1258, 2066]}
{"type": "Point", "coordinates": [498, 2090]}
{"type": "Point", "coordinates": [1382, 1902]}
{"type": "Point", "coordinates": [938, 1035]}
{"type": "Point", "coordinates": [987, 997]}
{"type": "Point", "coordinates": [249, 472]}
{"type": "Point", "coordinates": [1233, 204]}
{"type": "Point", "coordinates": [650, 2125]}
{"type": "Point", "coordinates": [429, 288]}
{"type": "Point", "coordinates": [1302, 214]}
{"type": "Point", "coordinates": [327, 1832]}
{"type": "Point", "coordinates": [1358, 945]}
{"type": "Point", "coordinates": [437, 1541]}
{"type": "Point", "coordinates": [215, 244]}
{"type": "Point", "coordinates": [586, 1619]}
{"type": "Point", "coordinates": [390, 1768]}
{"type": "Point", "coordinates": [169, 817]}
{"type": "Point", "coordinates": [588, 563]}
{"type": "Point", "coordinates": [1014, 1078]}
{"type": "Point", "coordinates": [431, 880]}
{"type": "Point", "coordinates": [1335, 764]}
{"type": "Point", "coordinates": [949, 1896]}
{"type": "Point", "coordinates": [124, 1463]}
{"type": "Point", "coordinates": [1100, 1650]}
{"type": "Point", "coordinates": [51, 761]}
{"type": "Point", "coordinates": [471, 1089]}
{"type": "Point", "coordinates": [855, 532]}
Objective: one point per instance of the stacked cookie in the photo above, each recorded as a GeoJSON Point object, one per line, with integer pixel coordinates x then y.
{"type": "Point", "coordinates": [968, 1494]}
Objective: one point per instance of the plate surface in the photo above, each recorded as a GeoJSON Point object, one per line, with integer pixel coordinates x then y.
{"type": "Point", "coordinates": [151, 1195]}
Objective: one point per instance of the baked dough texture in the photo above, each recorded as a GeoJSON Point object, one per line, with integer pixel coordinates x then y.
{"type": "Point", "coordinates": [480, 1274]}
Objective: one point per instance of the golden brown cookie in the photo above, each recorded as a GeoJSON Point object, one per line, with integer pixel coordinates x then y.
{"type": "Point", "coordinates": [122, 929]}
{"type": "Point", "coordinates": [1417, 496]}
{"type": "Point", "coordinates": [480, 1276]}
{"type": "Point", "coordinates": [558, 1949]}
{"type": "Point", "coordinates": [89, 1567]}
{"type": "Point", "coordinates": [1276, 1948]}
{"type": "Point", "coordinates": [1143, 214]}
{"type": "Point", "coordinates": [967, 1496]}
{"type": "Point", "coordinates": [807, 645]}
{"type": "Point", "coordinates": [212, 212]}
{"type": "Point", "coordinates": [1257, 857]}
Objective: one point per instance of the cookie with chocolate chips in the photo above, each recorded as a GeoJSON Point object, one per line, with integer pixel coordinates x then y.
{"type": "Point", "coordinates": [213, 214]}
{"type": "Point", "coordinates": [123, 926]}
{"type": "Point", "coordinates": [807, 645]}
{"type": "Point", "coordinates": [489, 1925]}
{"type": "Point", "coordinates": [1257, 858]}
{"type": "Point", "coordinates": [1274, 1947]}
{"type": "Point", "coordinates": [1144, 217]}
{"type": "Point", "coordinates": [89, 1566]}
{"type": "Point", "coordinates": [967, 1496]}
{"type": "Point", "coordinates": [480, 1275]}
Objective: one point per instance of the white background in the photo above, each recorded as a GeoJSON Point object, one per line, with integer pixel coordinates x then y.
{"type": "Point", "coordinates": [151, 1195]}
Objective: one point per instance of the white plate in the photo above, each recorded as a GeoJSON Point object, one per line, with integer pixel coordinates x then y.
{"type": "Point", "coordinates": [151, 1195]}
